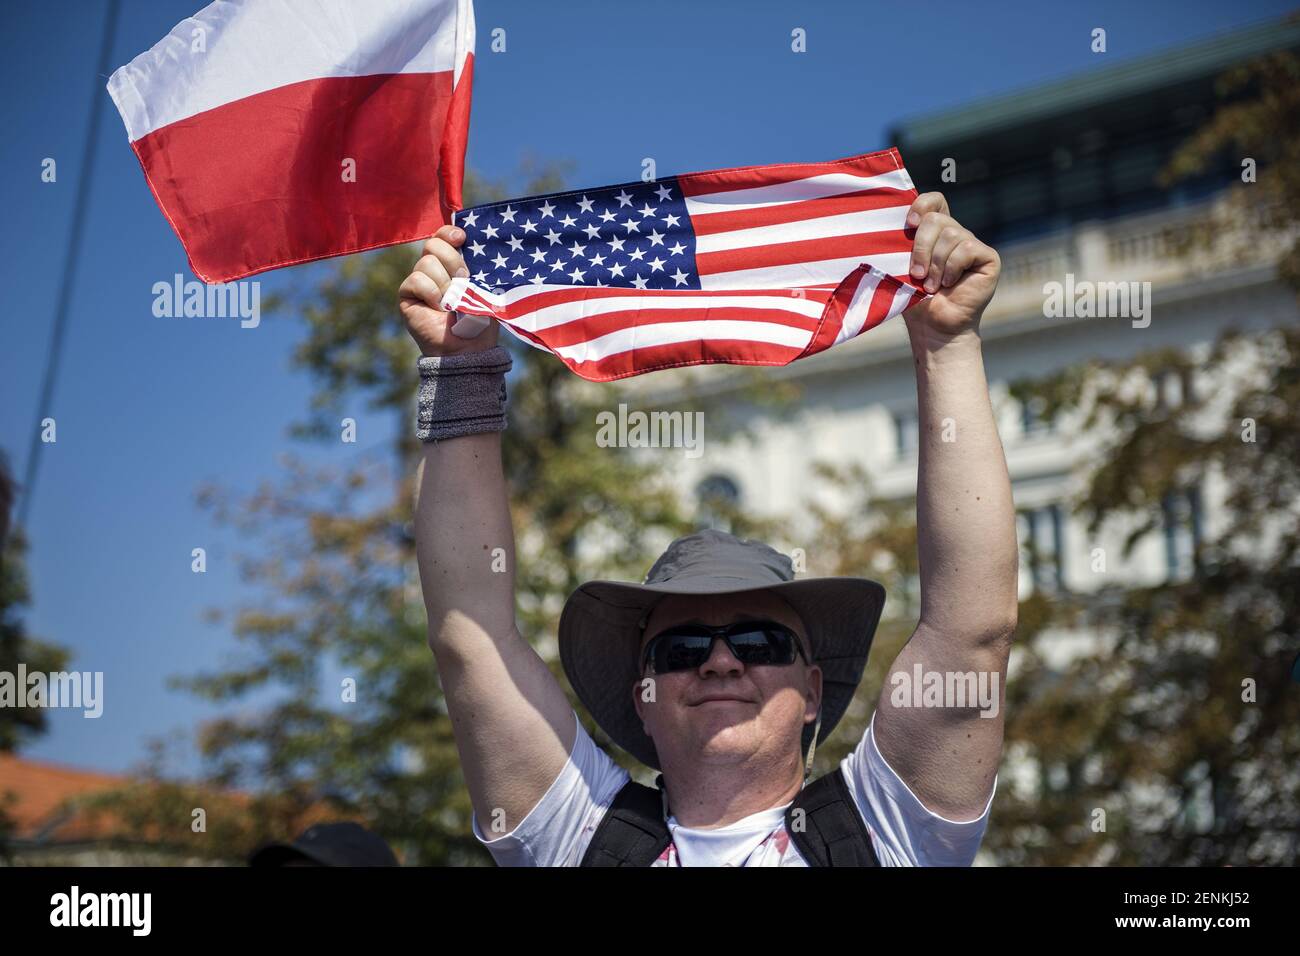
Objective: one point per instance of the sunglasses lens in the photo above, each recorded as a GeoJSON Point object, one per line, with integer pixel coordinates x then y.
{"type": "Point", "coordinates": [754, 643]}
{"type": "Point", "coordinates": [765, 645]}
{"type": "Point", "coordinates": [681, 650]}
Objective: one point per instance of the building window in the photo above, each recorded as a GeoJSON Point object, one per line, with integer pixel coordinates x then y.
{"type": "Point", "coordinates": [906, 433]}
{"type": "Point", "coordinates": [1182, 527]}
{"type": "Point", "coordinates": [1174, 388]}
{"type": "Point", "coordinates": [719, 498]}
{"type": "Point", "coordinates": [1042, 548]}
{"type": "Point", "coordinates": [1034, 419]}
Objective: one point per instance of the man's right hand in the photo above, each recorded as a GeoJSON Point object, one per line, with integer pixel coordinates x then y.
{"type": "Point", "coordinates": [422, 291]}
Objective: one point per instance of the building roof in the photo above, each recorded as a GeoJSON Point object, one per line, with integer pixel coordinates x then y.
{"type": "Point", "coordinates": [45, 796]}
{"type": "Point", "coordinates": [1092, 87]}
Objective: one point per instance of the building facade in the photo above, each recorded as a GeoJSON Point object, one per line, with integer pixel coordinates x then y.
{"type": "Point", "coordinates": [1063, 181]}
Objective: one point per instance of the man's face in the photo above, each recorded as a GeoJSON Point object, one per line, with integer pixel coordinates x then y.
{"type": "Point", "coordinates": [724, 712]}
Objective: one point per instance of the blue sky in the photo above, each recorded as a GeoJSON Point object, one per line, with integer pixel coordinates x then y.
{"type": "Point", "coordinates": [149, 408]}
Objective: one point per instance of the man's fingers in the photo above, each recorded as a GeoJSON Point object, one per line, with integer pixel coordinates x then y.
{"type": "Point", "coordinates": [450, 234]}
{"type": "Point", "coordinates": [949, 238]}
{"type": "Point", "coordinates": [432, 267]}
{"type": "Point", "coordinates": [419, 285]}
{"type": "Point", "coordinates": [924, 203]}
{"type": "Point", "coordinates": [963, 256]}
{"type": "Point", "coordinates": [927, 233]}
{"type": "Point", "coordinates": [452, 261]}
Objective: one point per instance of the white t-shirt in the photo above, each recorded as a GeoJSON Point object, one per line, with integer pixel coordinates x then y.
{"type": "Point", "coordinates": [557, 831]}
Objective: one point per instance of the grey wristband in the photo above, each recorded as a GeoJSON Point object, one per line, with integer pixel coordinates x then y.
{"type": "Point", "coordinates": [462, 394]}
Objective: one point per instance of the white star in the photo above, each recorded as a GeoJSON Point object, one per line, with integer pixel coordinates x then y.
{"type": "Point", "coordinates": [517, 271]}
{"type": "Point", "coordinates": [490, 231]}
{"type": "Point", "coordinates": [616, 270]}
{"type": "Point", "coordinates": [637, 254]}
{"type": "Point", "coordinates": [646, 210]}
{"type": "Point", "coordinates": [556, 265]}
{"type": "Point", "coordinates": [480, 276]}
{"type": "Point", "coordinates": [679, 277]}
{"type": "Point", "coordinates": [664, 193]}
{"type": "Point", "coordinates": [537, 280]}
{"type": "Point", "coordinates": [500, 261]}
{"type": "Point", "coordinates": [631, 226]}
{"type": "Point", "coordinates": [585, 204]}
{"type": "Point", "coordinates": [671, 220]}
{"type": "Point", "coordinates": [508, 214]}
{"type": "Point", "coordinates": [616, 244]}
{"type": "Point", "coordinates": [477, 248]}
{"type": "Point", "coordinates": [624, 199]}
{"type": "Point", "coordinates": [516, 243]}
{"type": "Point", "coordinates": [538, 255]}
{"type": "Point", "coordinates": [656, 238]}
{"type": "Point", "coordinates": [530, 226]}
{"type": "Point", "coordinates": [677, 249]}
{"type": "Point", "coordinates": [567, 221]}
{"type": "Point", "coordinates": [470, 220]}
{"type": "Point", "coordinates": [592, 231]}
{"type": "Point", "coordinates": [600, 284]}
{"type": "Point", "coordinates": [607, 216]}
{"type": "Point", "coordinates": [553, 236]}
{"type": "Point", "coordinates": [577, 250]}
{"type": "Point", "coordinates": [639, 282]}
{"type": "Point", "coordinates": [656, 264]}
{"type": "Point", "coordinates": [576, 274]}
{"type": "Point", "coordinates": [547, 210]}
{"type": "Point", "coordinates": [597, 260]}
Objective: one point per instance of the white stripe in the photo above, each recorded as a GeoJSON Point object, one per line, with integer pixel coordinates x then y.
{"type": "Point", "coordinates": [844, 224]}
{"type": "Point", "coordinates": [901, 298]}
{"type": "Point", "coordinates": [669, 333]}
{"type": "Point", "coordinates": [814, 187]}
{"type": "Point", "coordinates": [822, 272]}
{"type": "Point", "coordinates": [552, 315]}
{"type": "Point", "coordinates": [252, 46]}
{"type": "Point", "coordinates": [855, 316]}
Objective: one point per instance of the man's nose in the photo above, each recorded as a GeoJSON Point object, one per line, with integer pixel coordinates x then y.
{"type": "Point", "coordinates": [721, 661]}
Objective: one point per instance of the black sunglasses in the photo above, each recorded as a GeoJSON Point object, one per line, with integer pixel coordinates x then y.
{"type": "Point", "coordinates": [687, 646]}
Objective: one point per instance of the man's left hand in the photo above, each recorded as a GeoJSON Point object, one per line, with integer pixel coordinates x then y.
{"type": "Point", "coordinates": [948, 261]}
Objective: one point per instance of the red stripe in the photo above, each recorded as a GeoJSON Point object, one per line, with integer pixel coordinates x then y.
{"type": "Point", "coordinates": [711, 352]}
{"type": "Point", "coordinates": [711, 223]}
{"type": "Point", "coordinates": [805, 250]}
{"type": "Point", "coordinates": [877, 310]}
{"type": "Point", "coordinates": [747, 177]}
{"type": "Point", "coordinates": [257, 184]}
{"type": "Point", "coordinates": [571, 294]}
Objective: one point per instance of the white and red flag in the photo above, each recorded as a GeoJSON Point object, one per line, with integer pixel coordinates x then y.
{"type": "Point", "coordinates": [274, 132]}
{"type": "Point", "coordinates": [759, 265]}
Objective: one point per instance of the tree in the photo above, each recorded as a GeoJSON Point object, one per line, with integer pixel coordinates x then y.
{"type": "Point", "coordinates": [18, 725]}
{"type": "Point", "coordinates": [1176, 739]}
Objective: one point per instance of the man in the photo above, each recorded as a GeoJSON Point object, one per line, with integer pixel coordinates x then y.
{"type": "Point", "coordinates": [721, 670]}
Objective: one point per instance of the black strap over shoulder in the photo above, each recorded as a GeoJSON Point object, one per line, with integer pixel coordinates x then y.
{"type": "Point", "coordinates": [825, 825]}
{"type": "Point", "coordinates": [823, 822]}
{"type": "Point", "coordinates": [633, 831]}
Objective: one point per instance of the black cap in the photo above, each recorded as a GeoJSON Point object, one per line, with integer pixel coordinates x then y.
{"type": "Point", "coordinates": [328, 844]}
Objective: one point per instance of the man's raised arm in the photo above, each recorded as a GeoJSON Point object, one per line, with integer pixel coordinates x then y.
{"type": "Point", "coordinates": [513, 725]}
{"type": "Point", "coordinates": [966, 539]}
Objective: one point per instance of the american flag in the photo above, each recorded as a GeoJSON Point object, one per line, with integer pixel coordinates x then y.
{"type": "Point", "coordinates": [758, 265]}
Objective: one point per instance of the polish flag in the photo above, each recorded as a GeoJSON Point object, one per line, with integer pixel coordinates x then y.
{"type": "Point", "coordinates": [274, 132]}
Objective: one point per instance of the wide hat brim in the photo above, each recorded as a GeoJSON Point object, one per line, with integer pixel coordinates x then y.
{"type": "Point", "coordinates": [600, 636]}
